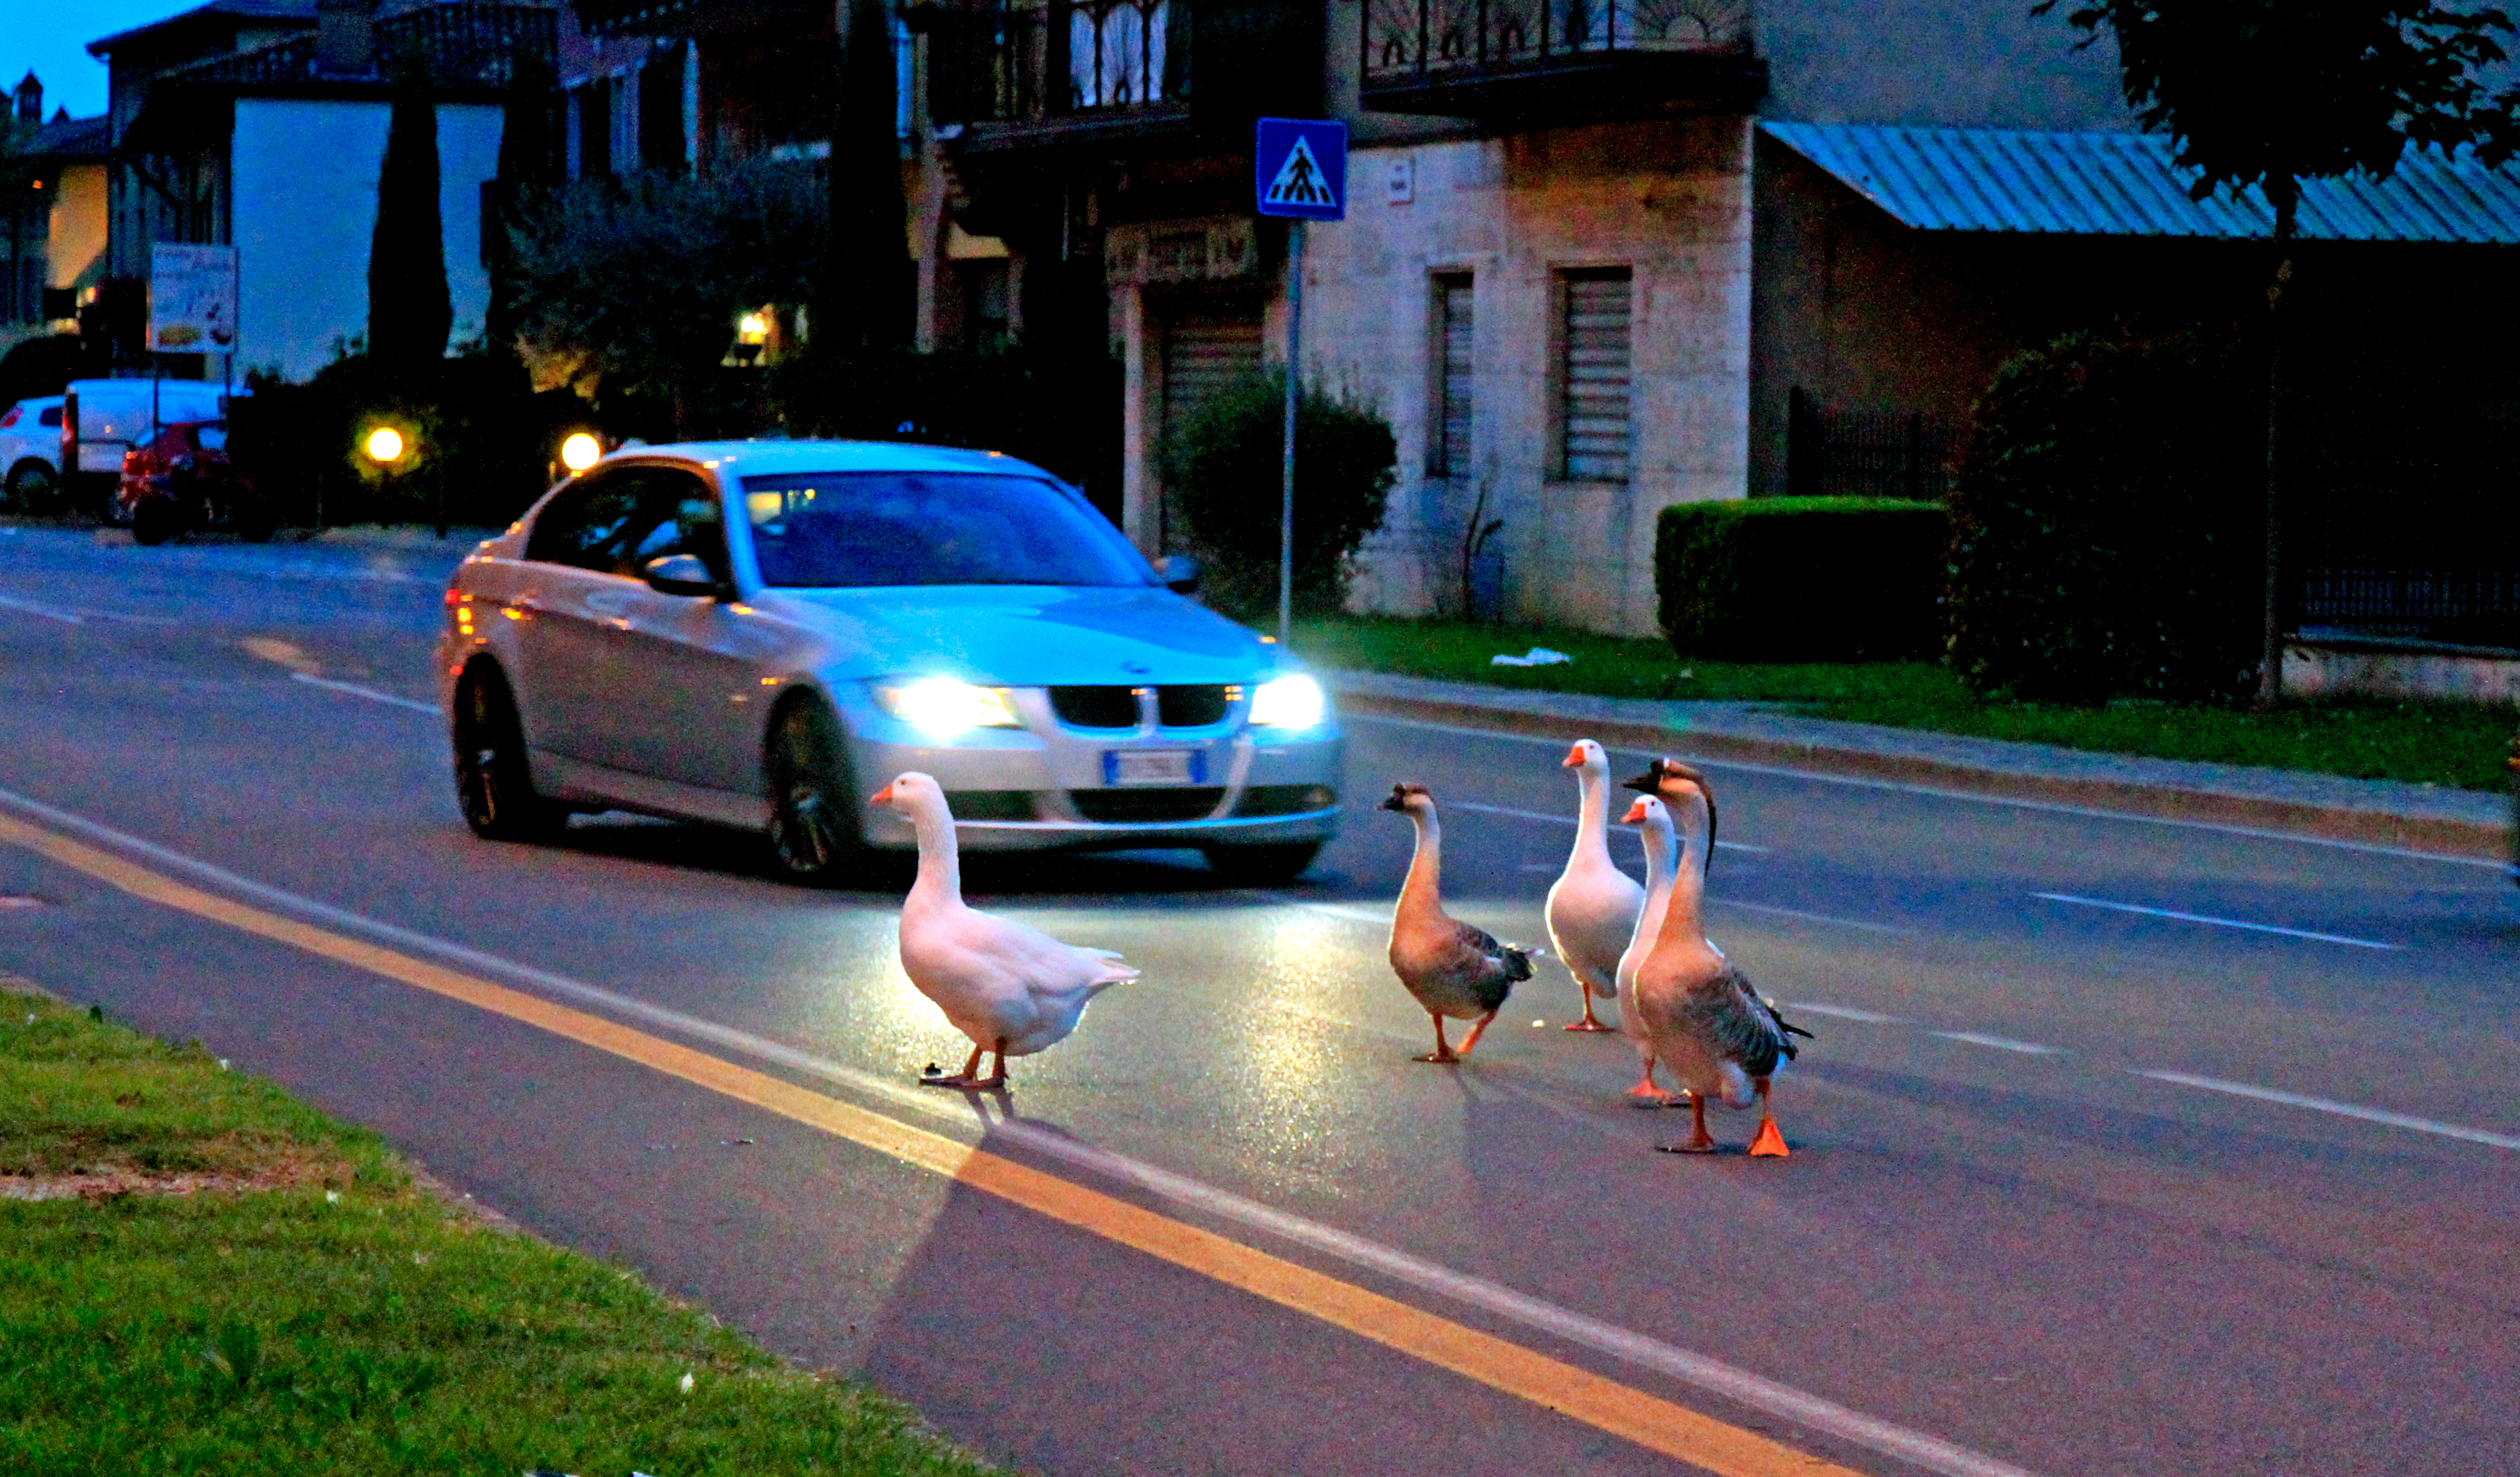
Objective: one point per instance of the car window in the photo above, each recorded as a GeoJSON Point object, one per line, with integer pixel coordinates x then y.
{"type": "Point", "coordinates": [212, 437]}
{"type": "Point", "coordinates": [677, 514]}
{"type": "Point", "coordinates": [865, 529]}
{"type": "Point", "coordinates": [582, 522]}
{"type": "Point", "coordinates": [50, 415]}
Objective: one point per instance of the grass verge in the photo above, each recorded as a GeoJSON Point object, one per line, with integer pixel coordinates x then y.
{"type": "Point", "coordinates": [224, 1280]}
{"type": "Point", "coordinates": [2421, 743]}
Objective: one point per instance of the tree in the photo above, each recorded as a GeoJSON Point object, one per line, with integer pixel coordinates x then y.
{"type": "Point", "coordinates": [865, 303]}
{"type": "Point", "coordinates": [2269, 93]}
{"type": "Point", "coordinates": [409, 310]}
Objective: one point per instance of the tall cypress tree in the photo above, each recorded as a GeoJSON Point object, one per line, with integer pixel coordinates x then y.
{"type": "Point", "coordinates": [409, 310]}
{"type": "Point", "coordinates": [866, 302]}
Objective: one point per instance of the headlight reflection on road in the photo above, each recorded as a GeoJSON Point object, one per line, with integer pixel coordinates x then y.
{"type": "Point", "coordinates": [942, 707]}
{"type": "Point", "coordinates": [1288, 702]}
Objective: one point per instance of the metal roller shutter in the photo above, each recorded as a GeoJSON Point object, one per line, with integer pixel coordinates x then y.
{"type": "Point", "coordinates": [1206, 349]}
{"type": "Point", "coordinates": [1593, 378]}
{"type": "Point", "coordinates": [1449, 455]}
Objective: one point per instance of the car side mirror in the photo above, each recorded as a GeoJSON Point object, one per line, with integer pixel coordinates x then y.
{"type": "Point", "coordinates": [680, 574]}
{"type": "Point", "coordinates": [1179, 573]}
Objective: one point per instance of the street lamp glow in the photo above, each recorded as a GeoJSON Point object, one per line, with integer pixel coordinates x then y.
{"type": "Point", "coordinates": [384, 445]}
{"type": "Point", "coordinates": [753, 327]}
{"type": "Point", "coordinates": [580, 451]}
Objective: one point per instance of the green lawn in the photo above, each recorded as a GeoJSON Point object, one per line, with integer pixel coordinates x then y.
{"type": "Point", "coordinates": [325, 1317]}
{"type": "Point", "coordinates": [2419, 742]}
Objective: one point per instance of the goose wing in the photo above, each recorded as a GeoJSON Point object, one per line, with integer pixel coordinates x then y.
{"type": "Point", "coordinates": [1742, 1027]}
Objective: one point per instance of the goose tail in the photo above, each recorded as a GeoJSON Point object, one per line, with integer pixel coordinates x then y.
{"type": "Point", "coordinates": [1517, 962]}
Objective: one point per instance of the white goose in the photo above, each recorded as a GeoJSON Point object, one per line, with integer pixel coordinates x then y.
{"type": "Point", "coordinates": [1705, 1021]}
{"type": "Point", "coordinates": [1592, 905]}
{"type": "Point", "coordinates": [1662, 857]}
{"type": "Point", "coordinates": [1451, 968]}
{"type": "Point", "coordinates": [1012, 988]}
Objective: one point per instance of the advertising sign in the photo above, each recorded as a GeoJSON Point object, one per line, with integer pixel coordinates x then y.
{"type": "Point", "coordinates": [192, 298]}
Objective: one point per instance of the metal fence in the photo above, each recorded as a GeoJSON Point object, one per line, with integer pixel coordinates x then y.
{"type": "Point", "coordinates": [2413, 548]}
{"type": "Point", "coordinates": [1860, 453]}
{"type": "Point", "coordinates": [1417, 36]}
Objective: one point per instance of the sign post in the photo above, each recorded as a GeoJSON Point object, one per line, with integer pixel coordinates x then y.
{"type": "Point", "coordinates": [1299, 170]}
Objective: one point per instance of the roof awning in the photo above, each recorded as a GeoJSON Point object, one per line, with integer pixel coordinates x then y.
{"type": "Point", "coordinates": [2124, 184]}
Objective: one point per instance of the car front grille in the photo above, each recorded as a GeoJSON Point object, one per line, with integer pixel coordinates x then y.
{"type": "Point", "coordinates": [1285, 800]}
{"type": "Point", "coordinates": [1137, 807]}
{"type": "Point", "coordinates": [1191, 707]}
{"type": "Point", "coordinates": [990, 804]}
{"type": "Point", "coordinates": [1096, 707]}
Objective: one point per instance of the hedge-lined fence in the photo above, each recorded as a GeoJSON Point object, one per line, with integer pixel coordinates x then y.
{"type": "Point", "coordinates": [1802, 578]}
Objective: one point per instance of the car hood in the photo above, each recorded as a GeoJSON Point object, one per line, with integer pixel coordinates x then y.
{"type": "Point", "coordinates": [1024, 636]}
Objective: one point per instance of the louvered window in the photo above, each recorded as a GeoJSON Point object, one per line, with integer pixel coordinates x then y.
{"type": "Point", "coordinates": [1593, 377]}
{"type": "Point", "coordinates": [1448, 453]}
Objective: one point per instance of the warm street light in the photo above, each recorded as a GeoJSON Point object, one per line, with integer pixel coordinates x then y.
{"type": "Point", "coordinates": [580, 451]}
{"type": "Point", "coordinates": [384, 445]}
{"type": "Point", "coordinates": [753, 327]}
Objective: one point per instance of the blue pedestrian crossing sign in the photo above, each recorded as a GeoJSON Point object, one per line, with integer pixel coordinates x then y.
{"type": "Point", "coordinates": [1300, 169]}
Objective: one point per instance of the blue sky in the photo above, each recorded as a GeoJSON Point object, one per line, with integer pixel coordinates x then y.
{"type": "Point", "coordinates": [50, 36]}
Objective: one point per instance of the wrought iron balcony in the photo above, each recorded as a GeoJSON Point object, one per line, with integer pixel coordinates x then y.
{"type": "Point", "coordinates": [1543, 59]}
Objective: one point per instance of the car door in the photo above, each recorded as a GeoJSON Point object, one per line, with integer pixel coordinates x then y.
{"type": "Point", "coordinates": [682, 673]}
{"type": "Point", "coordinates": [562, 627]}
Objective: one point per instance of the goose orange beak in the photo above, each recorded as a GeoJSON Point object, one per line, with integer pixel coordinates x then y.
{"type": "Point", "coordinates": [1635, 815]}
{"type": "Point", "coordinates": [882, 797]}
{"type": "Point", "coordinates": [1574, 759]}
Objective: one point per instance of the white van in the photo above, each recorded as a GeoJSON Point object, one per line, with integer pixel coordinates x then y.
{"type": "Point", "coordinates": [101, 419]}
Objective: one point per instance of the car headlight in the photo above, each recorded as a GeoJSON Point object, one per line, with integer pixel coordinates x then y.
{"type": "Point", "coordinates": [1290, 702]}
{"type": "Point", "coordinates": [943, 707]}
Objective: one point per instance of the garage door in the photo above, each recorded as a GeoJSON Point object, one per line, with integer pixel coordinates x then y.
{"type": "Point", "coordinates": [1205, 350]}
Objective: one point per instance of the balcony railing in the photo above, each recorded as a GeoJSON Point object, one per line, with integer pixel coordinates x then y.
{"type": "Point", "coordinates": [1486, 56]}
{"type": "Point", "coordinates": [465, 43]}
{"type": "Point", "coordinates": [1035, 60]}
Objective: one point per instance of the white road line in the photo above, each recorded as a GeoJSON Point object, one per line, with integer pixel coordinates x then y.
{"type": "Point", "coordinates": [1999, 1042]}
{"type": "Point", "coordinates": [1848, 1012]}
{"type": "Point", "coordinates": [370, 693]}
{"type": "Point", "coordinates": [1725, 1381]}
{"type": "Point", "coordinates": [46, 612]}
{"type": "Point", "coordinates": [2255, 928]}
{"type": "Point", "coordinates": [1937, 791]}
{"type": "Point", "coordinates": [1364, 915]}
{"type": "Point", "coordinates": [1568, 820]}
{"type": "Point", "coordinates": [1795, 912]}
{"type": "Point", "coordinates": [2341, 1109]}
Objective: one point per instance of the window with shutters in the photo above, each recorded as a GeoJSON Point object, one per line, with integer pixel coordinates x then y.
{"type": "Point", "coordinates": [1592, 374]}
{"type": "Point", "coordinates": [1448, 448]}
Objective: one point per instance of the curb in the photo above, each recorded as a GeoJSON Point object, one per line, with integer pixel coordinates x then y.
{"type": "Point", "coordinates": [2369, 825]}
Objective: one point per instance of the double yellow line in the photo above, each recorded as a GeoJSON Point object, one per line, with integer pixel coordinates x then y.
{"type": "Point", "coordinates": [1630, 1414]}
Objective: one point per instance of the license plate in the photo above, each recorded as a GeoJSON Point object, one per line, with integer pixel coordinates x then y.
{"type": "Point", "coordinates": [1151, 767]}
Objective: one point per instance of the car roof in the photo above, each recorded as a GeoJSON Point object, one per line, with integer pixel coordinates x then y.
{"type": "Point", "coordinates": [790, 458]}
{"type": "Point", "coordinates": [38, 403]}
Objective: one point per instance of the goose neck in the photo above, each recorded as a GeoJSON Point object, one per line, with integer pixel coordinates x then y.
{"type": "Point", "coordinates": [1425, 864]}
{"type": "Point", "coordinates": [940, 860]}
{"type": "Point", "coordinates": [1682, 917]}
{"type": "Point", "coordinates": [1592, 814]}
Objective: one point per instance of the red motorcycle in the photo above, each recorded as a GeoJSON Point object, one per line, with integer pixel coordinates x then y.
{"type": "Point", "coordinates": [183, 482]}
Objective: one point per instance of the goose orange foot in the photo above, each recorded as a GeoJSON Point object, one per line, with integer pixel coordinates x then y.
{"type": "Point", "coordinates": [1644, 1094]}
{"type": "Point", "coordinates": [1699, 1140]}
{"type": "Point", "coordinates": [1770, 1144]}
{"type": "Point", "coordinates": [1443, 1052]}
{"type": "Point", "coordinates": [1591, 1022]}
{"type": "Point", "coordinates": [969, 1079]}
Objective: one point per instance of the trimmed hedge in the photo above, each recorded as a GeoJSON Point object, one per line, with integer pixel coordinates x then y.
{"type": "Point", "coordinates": [1801, 578]}
{"type": "Point", "coordinates": [2107, 526]}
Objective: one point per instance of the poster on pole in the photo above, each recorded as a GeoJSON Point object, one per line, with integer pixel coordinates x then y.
{"type": "Point", "coordinates": [192, 298]}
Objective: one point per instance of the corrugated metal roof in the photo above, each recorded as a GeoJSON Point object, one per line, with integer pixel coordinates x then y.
{"type": "Point", "coordinates": [2124, 184]}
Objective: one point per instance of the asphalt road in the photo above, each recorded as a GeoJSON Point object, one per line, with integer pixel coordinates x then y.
{"type": "Point", "coordinates": [2076, 1189]}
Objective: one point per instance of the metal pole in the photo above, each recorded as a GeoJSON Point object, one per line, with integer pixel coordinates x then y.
{"type": "Point", "coordinates": [1287, 479]}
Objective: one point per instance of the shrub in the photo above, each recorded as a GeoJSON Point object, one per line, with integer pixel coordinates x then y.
{"type": "Point", "coordinates": [1223, 471]}
{"type": "Point", "coordinates": [1801, 578]}
{"type": "Point", "coordinates": [2106, 525]}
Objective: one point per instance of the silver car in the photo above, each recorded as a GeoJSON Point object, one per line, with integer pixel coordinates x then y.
{"type": "Point", "coordinates": [762, 633]}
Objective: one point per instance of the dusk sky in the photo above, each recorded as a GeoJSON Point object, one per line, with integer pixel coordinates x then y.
{"type": "Point", "coordinates": [51, 38]}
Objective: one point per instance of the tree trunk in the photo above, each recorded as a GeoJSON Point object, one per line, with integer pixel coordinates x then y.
{"type": "Point", "coordinates": [866, 268]}
{"type": "Point", "coordinates": [2270, 632]}
{"type": "Point", "coordinates": [409, 310]}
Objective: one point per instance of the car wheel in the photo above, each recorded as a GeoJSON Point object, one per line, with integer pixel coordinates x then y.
{"type": "Point", "coordinates": [1262, 865]}
{"type": "Point", "coordinates": [494, 783]}
{"type": "Point", "coordinates": [153, 522]}
{"type": "Point", "coordinates": [32, 487]}
{"type": "Point", "coordinates": [814, 833]}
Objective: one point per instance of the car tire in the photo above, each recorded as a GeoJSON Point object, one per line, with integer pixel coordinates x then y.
{"type": "Point", "coordinates": [814, 835]}
{"type": "Point", "coordinates": [494, 782]}
{"type": "Point", "coordinates": [1265, 864]}
{"type": "Point", "coordinates": [155, 521]}
{"type": "Point", "coordinates": [32, 487]}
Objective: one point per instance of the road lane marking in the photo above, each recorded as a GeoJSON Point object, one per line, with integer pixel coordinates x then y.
{"type": "Point", "coordinates": [1849, 1012]}
{"type": "Point", "coordinates": [2341, 1109]}
{"type": "Point", "coordinates": [45, 611]}
{"type": "Point", "coordinates": [1568, 820]}
{"type": "Point", "coordinates": [370, 693]}
{"type": "Point", "coordinates": [1998, 1042]}
{"type": "Point", "coordinates": [2256, 928]}
{"type": "Point", "coordinates": [1632, 1415]}
{"type": "Point", "coordinates": [1937, 791]}
{"type": "Point", "coordinates": [1795, 912]}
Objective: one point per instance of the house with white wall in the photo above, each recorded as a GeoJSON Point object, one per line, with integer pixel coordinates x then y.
{"type": "Point", "coordinates": [261, 124]}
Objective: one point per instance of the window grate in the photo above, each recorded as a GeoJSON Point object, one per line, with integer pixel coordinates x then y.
{"type": "Point", "coordinates": [1593, 376]}
{"type": "Point", "coordinates": [1450, 454]}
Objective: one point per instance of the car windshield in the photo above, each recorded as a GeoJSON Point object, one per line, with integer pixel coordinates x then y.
{"type": "Point", "coordinates": [861, 529]}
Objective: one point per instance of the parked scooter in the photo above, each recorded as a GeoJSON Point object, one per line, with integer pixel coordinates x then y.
{"type": "Point", "coordinates": [182, 482]}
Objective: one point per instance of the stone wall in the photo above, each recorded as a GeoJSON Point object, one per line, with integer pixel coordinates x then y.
{"type": "Point", "coordinates": [1667, 199]}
